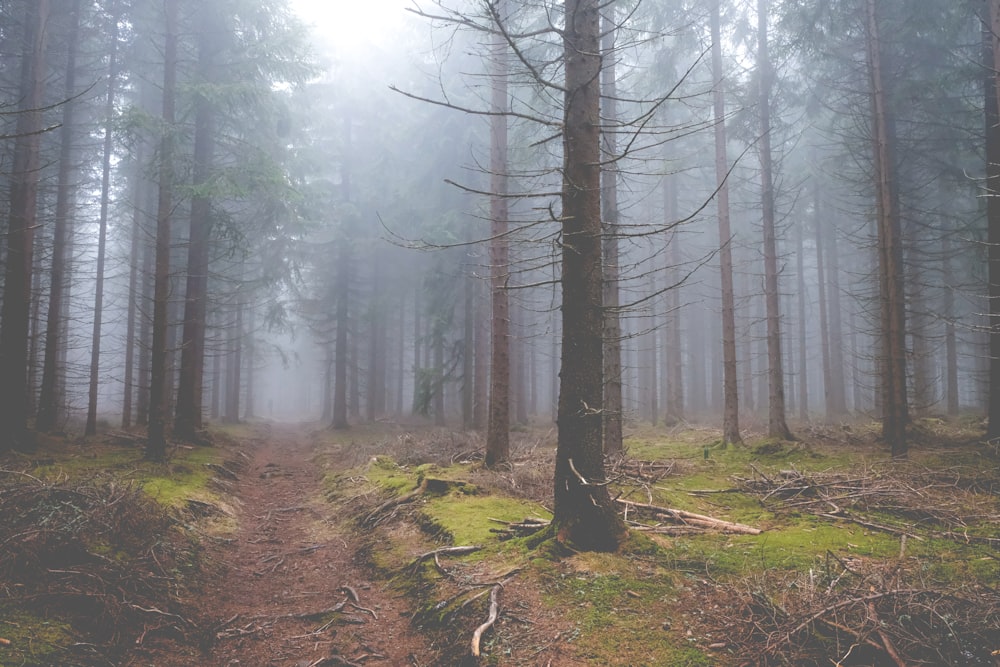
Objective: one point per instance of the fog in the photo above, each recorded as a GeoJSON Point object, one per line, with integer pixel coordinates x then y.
{"type": "Point", "coordinates": [324, 174]}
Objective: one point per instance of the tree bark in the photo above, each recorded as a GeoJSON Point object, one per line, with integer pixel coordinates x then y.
{"type": "Point", "coordinates": [49, 401]}
{"type": "Point", "coordinates": [892, 314]}
{"type": "Point", "coordinates": [991, 62]}
{"type": "Point", "coordinates": [156, 446]}
{"type": "Point", "coordinates": [950, 338]}
{"type": "Point", "coordinates": [730, 389]}
{"type": "Point", "coordinates": [189, 419]}
{"type": "Point", "coordinates": [498, 429]}
{"type": "Point", "coordinates": [613, 408]}
{"type": "Point", "coordinates": [15, 313]}
{"type": "Point", "coordinates": [776, 424]}
{"type": "Point", "coordinates": [584, 514]}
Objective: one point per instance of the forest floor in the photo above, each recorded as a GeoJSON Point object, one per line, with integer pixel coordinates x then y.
{"type": "Point", "coordinates": [296, 546]}
{"type": "Point", "coordinates": [288, 590]}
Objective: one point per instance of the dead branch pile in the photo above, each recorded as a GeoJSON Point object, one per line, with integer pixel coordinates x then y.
{"type": "Point", "coordinates": [873, 614]}
{"type": "Point", "coordinates": [98, 555]}
{"type": "Point", "coordinates": [903, 500]}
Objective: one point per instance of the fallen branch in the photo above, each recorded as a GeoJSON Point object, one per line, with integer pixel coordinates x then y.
{"type": "Point", "coordinates": [691, 519]}
{"type": "Point", "coordinates": [490, 620]}
{"type": "Point", "coordinates": [451, 551]}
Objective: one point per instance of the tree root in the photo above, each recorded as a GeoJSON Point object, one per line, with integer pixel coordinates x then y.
{"type": "Point", "coordinates": [490, 620]}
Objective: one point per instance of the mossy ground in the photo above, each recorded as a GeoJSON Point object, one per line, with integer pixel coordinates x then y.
{"type": "Point", "coordinates": [635, 607]}
{"type": "Point", "coordinates": [156, 515]}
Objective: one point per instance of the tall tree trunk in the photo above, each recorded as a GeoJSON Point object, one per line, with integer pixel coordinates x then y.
{"type": "Point", "coordinates": [730, 391]}
{"type": "Point", "coordinates": [838, 401]}
{"type": "Point", "coordinates": [824, 331]}
{"type": "Point", "coordinates": [15, 314]}
{"type": "Point", "coordinates": [584, 514]}
{"type": "Point", "coordinates": [673, 356]}
{"type": "Point", "coordinates": [613, 409]}
{"type": "Point", "coordinates": [217, 382]}
{"type": "Point", "coordinates": [249, 409]}
{"type": "Point", "coordinates": [803, 374]}
{"type": "Point", "coordinates": [950, 339]}
{"type": "Point", "coordinates": [468, 347]}
{"type": "Point", "coordinates": [991, 62]}
{"type": "Point", "coordinates": [49, 402]}
{"type": "Point", "coordinates": [480, 407]}
{"type": "Point", "coordinates": [326, 413]}
{"type": "Point", "coordinates": [401, 357]}
{"type": "Point", "coordinates": [440, 417]}
{"type": "Point", "coordinates": [498, 429]}
{"type": "Point", "coordinates": [138, 195]}
{"type": "Point", "coordinates": [102, 234]}
{"type": "Point", "coordinates": [890, 262]}
{"type": "Point", "coordinates": [234, 364]}
{"type": "Point", "coordinates": [156, 446]}
{"type": "Point", "coordinates": [776, 425]}
{"type": "Point", "coordinates": [145, 330]}
{"type": "Point", "coordinates": [188, 420]}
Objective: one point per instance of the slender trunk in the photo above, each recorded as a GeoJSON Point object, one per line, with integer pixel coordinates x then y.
{"type": "Point", "coordinates": [892, 315]}
{"type": "Point", "coordinates": [584, 514]}
{"type": "Point", "coordinates": [217, 384]}
{"type": "Point", "coordinates": [613, 409]}
{"type": "Point", "coordinates": [102, 234]}
{"type": "Point", "coordinates": [145, 332]}
{"type": "Point", "coordinates": [49, 403]}
{"type": "Point", "coordinates": [156, 447]}
{"type": "Point", "coordinates": [482, 360]}
{"type": "Point", "coordinates": [249, 409]}
{"type": "Point", "coordinates": [731, 395]}
{"type": "Point", "coordinates": [234, 365]}
{"type": "Point", "coordinates": [468, 348]}
{"type": "Point", "coordinates": [674, 348]}
{"type": "Point", "coordinates": [498, 429]}
{"type": "Point", "coordinates": [776, 425]}
{"type": "Point", "coordinates": [440, 418]}
{"type": "Point", "coordinates": [950, 340]}
{"type": "Point", "coordinates": [821, 279]}
{"type": "Point", "coordinates": [15, 314]}
{"type": "Point", "coordinates": [803, 374]}
{"type": "Point", "coordinates": [400, 356]}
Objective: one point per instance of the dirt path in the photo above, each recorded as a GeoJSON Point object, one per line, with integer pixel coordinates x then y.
{"type": "Point", "coordinates": [288, 566]}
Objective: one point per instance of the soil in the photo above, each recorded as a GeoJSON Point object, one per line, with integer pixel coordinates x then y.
{"type": "Point", "coordinates": [281, 574]}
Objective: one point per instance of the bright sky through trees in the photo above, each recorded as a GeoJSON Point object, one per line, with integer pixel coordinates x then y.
{"type": "Point", "coordinates": [352, 24]}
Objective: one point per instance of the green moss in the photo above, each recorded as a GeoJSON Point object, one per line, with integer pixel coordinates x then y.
{"type": "Point", "coordinates": [35, 641]}
{"type": "Point", "coordinates": [467, 519]}
{"type": "Point", "coordinates": [620, 610]}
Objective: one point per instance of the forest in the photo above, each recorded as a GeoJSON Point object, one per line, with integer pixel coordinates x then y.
{"type": "Point", "coordinates": [595, 277]}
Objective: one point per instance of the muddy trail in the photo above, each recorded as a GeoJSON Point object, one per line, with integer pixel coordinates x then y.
{"type": "Point", "coordinates": [287, 592]}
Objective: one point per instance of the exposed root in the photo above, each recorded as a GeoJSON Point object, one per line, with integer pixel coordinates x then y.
{"type": "Point", "coordinates": [490, 620]}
